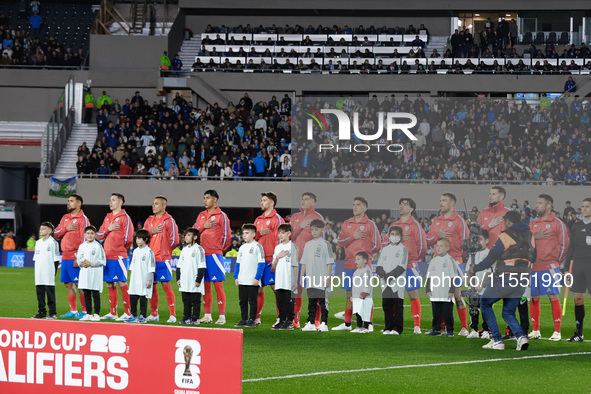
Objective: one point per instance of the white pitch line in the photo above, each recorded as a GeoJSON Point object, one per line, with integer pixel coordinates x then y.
{"type": "Point", "coordinates": [413, 366]}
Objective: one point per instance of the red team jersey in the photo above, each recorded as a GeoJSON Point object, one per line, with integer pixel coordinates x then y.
{"type": "Point", "coordinates": [370, 244]}
{"type": "Point", "coordinates": [488, 214]}
{"type": "Point", "coordinates": [458, 229]}
{"type": "Point", "coordinates": [217, 239]}
{"type": "Point", "coordinates": [271, 221]}
{"type": "Point", "coordinates": [117, 242]}
{"type": "Point", "coordinates": [300, 236]}
{"type": "Point", "coordinates": [416, 245]}
{"type": "Point", "coordinates": [71, 240]}
{"type": "Point", "coordinates": [165, 241]}
{"type": "Point", "coordinates": [551, 251]}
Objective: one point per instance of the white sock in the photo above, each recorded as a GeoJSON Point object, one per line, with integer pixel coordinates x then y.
{"type": "Point", "coordinates": [224, 316]}
{"type": "Point", "coordinates": [207, 315]}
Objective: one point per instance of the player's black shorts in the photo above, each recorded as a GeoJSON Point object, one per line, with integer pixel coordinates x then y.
{"type": "Point", "coordinates": [581, 278]}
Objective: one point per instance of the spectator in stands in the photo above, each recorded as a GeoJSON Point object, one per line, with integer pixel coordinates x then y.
{"type": "Point", "coordinates": [35, 21]}
{"type": "Point", "coordinates": [177, 64]}
{"type": "Point", "coordinates": [137, 98]}
{"type": "Point", "coordinates": [418, 42]}
{"type": "Point", "coordinates": [164, 62]}
{"type": "Point", "coordinates": [8, 243]}
{"type": "Point", "coordinates": [570, 85]}
{"type": "Point", "coordinates": [104, 102]}
{"type": "Point", "coordinates": [101, 122]}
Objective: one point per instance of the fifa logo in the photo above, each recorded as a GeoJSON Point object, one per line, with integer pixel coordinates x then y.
{"type": "Point", "coordinates": [344, 130]}
{"type": "Point", "coordinates": [186, 373]}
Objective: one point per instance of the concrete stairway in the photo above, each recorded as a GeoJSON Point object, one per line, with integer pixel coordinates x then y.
{"type": "Point", "coordinates": [80, 133]}
{"type": "Point", "coordinates": [189, 51]}
{"type": "Point", "coordinates": [436, 42]}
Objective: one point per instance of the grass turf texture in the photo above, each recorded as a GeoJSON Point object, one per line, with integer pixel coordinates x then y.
{"type": "Point", "coordinates": [270, 353]}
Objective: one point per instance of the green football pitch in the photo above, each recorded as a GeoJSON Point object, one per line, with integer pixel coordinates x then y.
{"type": "Point", "coordinates": [340, 361]}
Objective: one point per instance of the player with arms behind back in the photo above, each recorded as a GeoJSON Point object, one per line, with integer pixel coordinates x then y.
{"type": "Point", "coordinates": [215, 237]}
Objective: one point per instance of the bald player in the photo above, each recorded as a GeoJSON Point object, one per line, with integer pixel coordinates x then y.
{"type": "Point", "coordinates": [165, 237]}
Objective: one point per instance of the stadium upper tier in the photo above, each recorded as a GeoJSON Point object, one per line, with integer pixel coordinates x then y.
{"type": "Point", "coordinates": [364, 52]}
{"type": "Point", "coordinates": [56, 35]}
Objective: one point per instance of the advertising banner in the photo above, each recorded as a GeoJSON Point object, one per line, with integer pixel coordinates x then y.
{"type": "Point", "coordinates": [61, 356]}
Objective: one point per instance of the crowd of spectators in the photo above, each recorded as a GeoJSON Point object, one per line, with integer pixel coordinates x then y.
{"type": "Point", "coordinates": [297, 29]}
{"type": "Point", "coordinates": [359, 45]}
{"type": "Point", "coordinates": [494, 42]}
{"type": "Point", "coordinates": [360, 63]}
{"type": "Point", "coordinates": [240, 142]}
{"type": "Point", "coordinates": [22, 46]}
{"type": "Point", "coordinates": [458, 140]}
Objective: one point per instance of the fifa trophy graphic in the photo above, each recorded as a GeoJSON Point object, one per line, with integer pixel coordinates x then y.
{"type": "Point", "coordinates": [188, 353]}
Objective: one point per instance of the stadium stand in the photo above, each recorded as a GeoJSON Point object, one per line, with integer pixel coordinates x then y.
{"type": "Point", "coordinates": [245, 141]}
{"type": "Point", "coordinates": [61, 41]}
{"type": "Point", "coordinates": [459, 140]}
{"type": "Point", "coordinates": [462, 140]}
{"type": "Point", "coordinates": [329, 50]}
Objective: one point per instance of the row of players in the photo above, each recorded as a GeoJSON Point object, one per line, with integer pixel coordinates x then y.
{"type": "Point", "coordinates": [358, 234]}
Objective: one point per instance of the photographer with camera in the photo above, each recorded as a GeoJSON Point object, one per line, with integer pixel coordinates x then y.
{"type": "Point", "coordinates": [491, 220]}
{"type": "Point", "coordinates": [514, 253]}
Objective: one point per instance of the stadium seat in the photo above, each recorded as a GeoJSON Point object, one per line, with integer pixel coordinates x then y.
{"type": "Point", "coordinates": [564, 38]}
{"type": "Point", "coordinates": [540, 38]}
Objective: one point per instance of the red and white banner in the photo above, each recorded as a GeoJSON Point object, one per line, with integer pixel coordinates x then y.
{"type": "Point", "coordinates": [59, 356]}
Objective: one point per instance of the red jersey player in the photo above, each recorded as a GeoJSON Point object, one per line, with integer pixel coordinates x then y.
{"type": "Point", "coordinates": [215, 237]}
{"type": "Point", "coordinates": [71, 233]}
{"type": "Point", "coordinates": [452, 227]}
{"type": "Point", "coordinates": [358, 234]}
{"type": "Point", "coordinates": [268, 236]}
{"type": "Point", "coordinates": [300, 222]}
{"type": "Point", "coordinates": [552, 239]}
{"type": "Point", "coordinates": [415, 241]}
{"type": "Point", "coordinates": [117, 233]}
{"type": "Point", "coordinates": [165, 237]}
{"type": "Point", "coordinates": [491, 217]}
